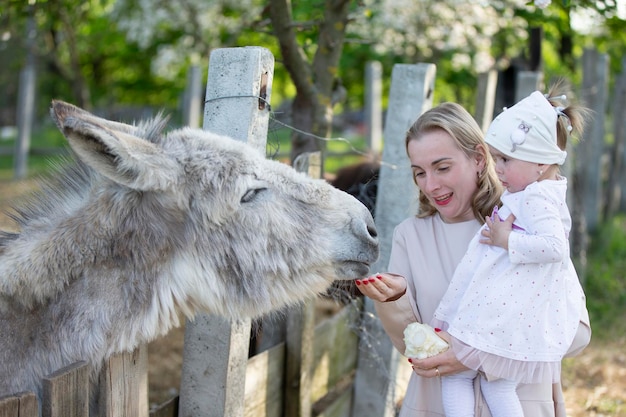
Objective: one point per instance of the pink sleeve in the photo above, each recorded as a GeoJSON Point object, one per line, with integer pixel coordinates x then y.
{"type": "Point", "coordinates": [395, 316]}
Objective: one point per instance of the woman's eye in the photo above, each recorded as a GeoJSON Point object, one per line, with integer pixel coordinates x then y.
{"type": "Point", "coordinates": [418, 174]}
{"type": "Point", "coordinates": [251, 194]}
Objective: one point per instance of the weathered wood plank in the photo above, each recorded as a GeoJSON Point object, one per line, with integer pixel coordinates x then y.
{"type": "Point", "coordinates": [335, 350]}
{"type": "Point", "coordinates": [66, 392]}
{"type": "Point", "coordinates": [340, 406]}
{"type": "Point", "coordinates": [336, 347]}
{"type": "Point", "coordinates": [265, 378]}
{"type": "Point", "coordinates": [10, 406]}
{"type": "Point", "coordinates": [301, 328]}
{"type": "Point", "coordinates": [28, 404]}
{"type": "Point", "coordinates": [299, 360]}
{"type": "Point", "coordinates": [124, 385]}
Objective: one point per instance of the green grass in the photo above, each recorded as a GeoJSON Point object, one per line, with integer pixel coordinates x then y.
{"type": "Point", "coordinates": [605, 283]}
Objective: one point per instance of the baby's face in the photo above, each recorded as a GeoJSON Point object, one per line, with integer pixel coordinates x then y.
{"type": "Point", "coordinates": [514, 174]}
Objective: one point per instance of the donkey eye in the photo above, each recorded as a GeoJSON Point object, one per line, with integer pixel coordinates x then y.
{"type": "Point", "coordinates": [251, 194]}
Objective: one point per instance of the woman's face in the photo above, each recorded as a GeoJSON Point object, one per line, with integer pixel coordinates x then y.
{"type": "Point", "coordinates": [445, 174]}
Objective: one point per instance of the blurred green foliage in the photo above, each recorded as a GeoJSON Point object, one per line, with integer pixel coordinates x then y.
{"type": "Point", "coordinates": [605, 283]}
{"type": "Point", "coordinates": [85, 54]}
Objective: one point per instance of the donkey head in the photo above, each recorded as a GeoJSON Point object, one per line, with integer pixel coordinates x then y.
{"type": "Point", "coordinates": [204, 220]}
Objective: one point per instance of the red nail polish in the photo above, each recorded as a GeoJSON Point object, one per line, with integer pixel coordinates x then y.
{"type": "Point", "coordinates": [379, 276]}
{"type": "Point", "coordinates": [410, 360]}
{"type": "Point", "coordinates": [372, 280]}
{"type": "Point", "coordinates": [365, 282]}
{"type": "Point", "coordinates": [357, 282]}
{"type": "Point", "coordinates": [437, 329]}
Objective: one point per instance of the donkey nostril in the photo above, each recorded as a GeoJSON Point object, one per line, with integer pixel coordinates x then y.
{"type": "Point", "coordinates": [372, 231]}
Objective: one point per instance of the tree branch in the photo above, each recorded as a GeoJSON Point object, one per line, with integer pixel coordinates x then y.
{"type": "Point", "coordinates": [330, 44]}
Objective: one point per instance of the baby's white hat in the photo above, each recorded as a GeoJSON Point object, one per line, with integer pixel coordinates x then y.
{"type": "Point", "coordinates": [527, 131]}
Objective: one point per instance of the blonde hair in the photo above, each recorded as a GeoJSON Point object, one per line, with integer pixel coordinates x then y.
{"type": "Point", "coordinates": [461, 126]}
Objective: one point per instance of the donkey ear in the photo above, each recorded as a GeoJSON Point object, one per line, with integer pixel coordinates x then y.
{"type": "Point", "coordinates": [61, 110]}
{"type": "Point", "coordinates": [111, 149]}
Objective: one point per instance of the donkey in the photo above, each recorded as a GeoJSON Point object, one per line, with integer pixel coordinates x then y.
{"type": "Point", "coordinates": [144, 228]}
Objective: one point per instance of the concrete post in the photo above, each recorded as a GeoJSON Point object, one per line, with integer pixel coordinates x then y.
{"type": "Point", "coordinates": [373, 106]}
{"type": "Point", "coordinates": [486, 98]}
{"type": "Point", "coordinates": [216, 349]}
{"type": "Point", "coordinates": [26, 104]}
{"type": "Point", "coordinates": [527, 82]}
{"type": "Point", "coordinates": [193, 94]}
{"type": "Point", "coordinates": [379, 383]}
{"type": "Point", "coordinates": [589, 150]}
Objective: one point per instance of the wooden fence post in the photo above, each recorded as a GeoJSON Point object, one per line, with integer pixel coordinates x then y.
{"type": "Point", "coordinates": [300, 329]}
{"type": "Point", "coordinates": [19, 405]}
{"type": "Point", "coordinates": [66, 392]}
{"type": "Point", "coordinates": [124, 385]}
{"type": "Point", "coordinates": [373, 106]}
{"type": "Point", "coordinates": [486, 98]}
{"type": "Point", "coordinates": [216, 349]}
{"type": "Point", "coordinates": [379, 382]}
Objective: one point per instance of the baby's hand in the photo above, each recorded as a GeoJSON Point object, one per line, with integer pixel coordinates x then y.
{"type": "Point", "coordinates": [497, 231]}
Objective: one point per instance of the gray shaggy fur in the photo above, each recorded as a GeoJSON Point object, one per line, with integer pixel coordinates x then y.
{"type": "Point", "coordinates": [147, 228]}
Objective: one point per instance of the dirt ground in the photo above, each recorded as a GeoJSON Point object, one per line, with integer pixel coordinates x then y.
{"type": "Point", "coordinates": [594, 382]}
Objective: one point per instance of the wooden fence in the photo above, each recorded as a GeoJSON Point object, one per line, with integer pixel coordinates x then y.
{"type": "Point", "coordinates": [124, 388]}
{"type": "Point", "coordinates": [329, 370]}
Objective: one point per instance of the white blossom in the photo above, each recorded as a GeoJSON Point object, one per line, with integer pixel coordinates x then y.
{"type": "Point", "coordinates": [542, 4]}
{"type": "Point", "coordinates": [202, 20]}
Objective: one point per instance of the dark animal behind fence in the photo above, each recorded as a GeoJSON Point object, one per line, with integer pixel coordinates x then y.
{"type": "Point", "coordinates": [361, 181]}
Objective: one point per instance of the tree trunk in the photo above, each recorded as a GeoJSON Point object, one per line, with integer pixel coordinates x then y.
{"type": "Point", "coordinates": [312, 108]}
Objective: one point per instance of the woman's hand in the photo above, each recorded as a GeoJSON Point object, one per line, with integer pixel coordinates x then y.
{"type": "Point", "coordinates": [382, 287]}
{"type": "Point", "coordinates": [439, 365]}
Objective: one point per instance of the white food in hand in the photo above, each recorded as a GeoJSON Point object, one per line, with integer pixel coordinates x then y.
{"type": "Point", "coordinates": [421, 341]}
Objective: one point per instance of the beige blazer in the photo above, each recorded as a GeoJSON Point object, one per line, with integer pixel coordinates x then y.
{"type": "Point", "coordinates": [426, 252]}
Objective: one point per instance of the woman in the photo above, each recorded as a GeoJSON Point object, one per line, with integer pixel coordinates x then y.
{"type": "Point", "coordinates": [458, 188]}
